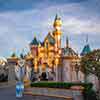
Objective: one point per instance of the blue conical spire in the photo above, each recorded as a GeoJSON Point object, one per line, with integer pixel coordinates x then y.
{"type": "Point", "coordinates": [34, 41]}
{"type": "Point", "coordinates": [86, 48]}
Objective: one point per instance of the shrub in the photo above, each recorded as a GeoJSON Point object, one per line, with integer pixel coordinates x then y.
{"type": "Point", "coordinates": [88, 93]}
{"type": "Point", "coordinates": [87, 86]}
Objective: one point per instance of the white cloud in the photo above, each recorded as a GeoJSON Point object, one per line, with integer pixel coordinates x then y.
{"type": "Point", "coordinates": [18, 28]}
{"type": "Point", "coordinates": [74, 25]}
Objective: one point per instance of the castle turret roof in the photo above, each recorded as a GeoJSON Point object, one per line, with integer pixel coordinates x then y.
{"type": "Point", "coordinates": [68, 51]}
{"type": "Point", "coordinates": [86, 50]}
{"type": "Point", "coordinates": [50, 39]}
{"type": "Point", "coordinates": [34, 42]}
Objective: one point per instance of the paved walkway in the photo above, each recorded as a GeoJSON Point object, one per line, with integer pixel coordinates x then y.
{"type": "Point", "coordinates": [8, 93]}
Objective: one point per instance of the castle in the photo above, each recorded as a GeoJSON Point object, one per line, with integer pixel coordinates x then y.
{"type": "Point", "coordinates": [60, 64]}
{"type": "Point", "coordinates": [48, 55]}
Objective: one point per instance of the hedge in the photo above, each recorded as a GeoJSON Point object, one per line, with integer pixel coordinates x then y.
{"type": "Point", "coordinates": [87, 86]}
{"type": "Point", "coordinates": [88, 93]}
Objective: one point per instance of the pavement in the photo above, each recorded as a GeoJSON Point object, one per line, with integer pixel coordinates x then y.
{"type": "Point", "coordinates": [9, 93]}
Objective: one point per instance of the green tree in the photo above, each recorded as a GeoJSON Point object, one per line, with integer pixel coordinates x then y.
{"type": "Point", "coordinates": [90, 63]}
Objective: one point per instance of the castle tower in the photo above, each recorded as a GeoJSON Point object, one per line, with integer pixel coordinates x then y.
{"type": "Point", "coordinates": [34, 52]}
{"type": "Point", "coordinates": [57, 31]}
{"type": "Point", "coordinates": [86, 48]}
{"type": "Point", "coordinates": [34, 47]}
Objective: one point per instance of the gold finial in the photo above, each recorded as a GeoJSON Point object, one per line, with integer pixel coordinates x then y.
{"type": "Point", "coordinates": [34, 35]}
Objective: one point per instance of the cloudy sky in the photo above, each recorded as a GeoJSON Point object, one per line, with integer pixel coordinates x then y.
{"type": "Point", "coordinates": [21, 20]}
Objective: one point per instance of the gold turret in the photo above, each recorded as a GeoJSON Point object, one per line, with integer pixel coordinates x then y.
{"type": "Point", "coordinates": [57, 31]}
{"type": "Point", "coordinates": [57, 22]}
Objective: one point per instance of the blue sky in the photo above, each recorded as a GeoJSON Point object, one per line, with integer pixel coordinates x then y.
{"type": "Point", "coordinates": [21, 20]}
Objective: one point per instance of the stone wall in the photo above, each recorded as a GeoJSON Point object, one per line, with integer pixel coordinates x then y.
{"type": "Point", "coordinates": [11, 72]}
{"type": "Point", "coordinates": [64, 93]}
